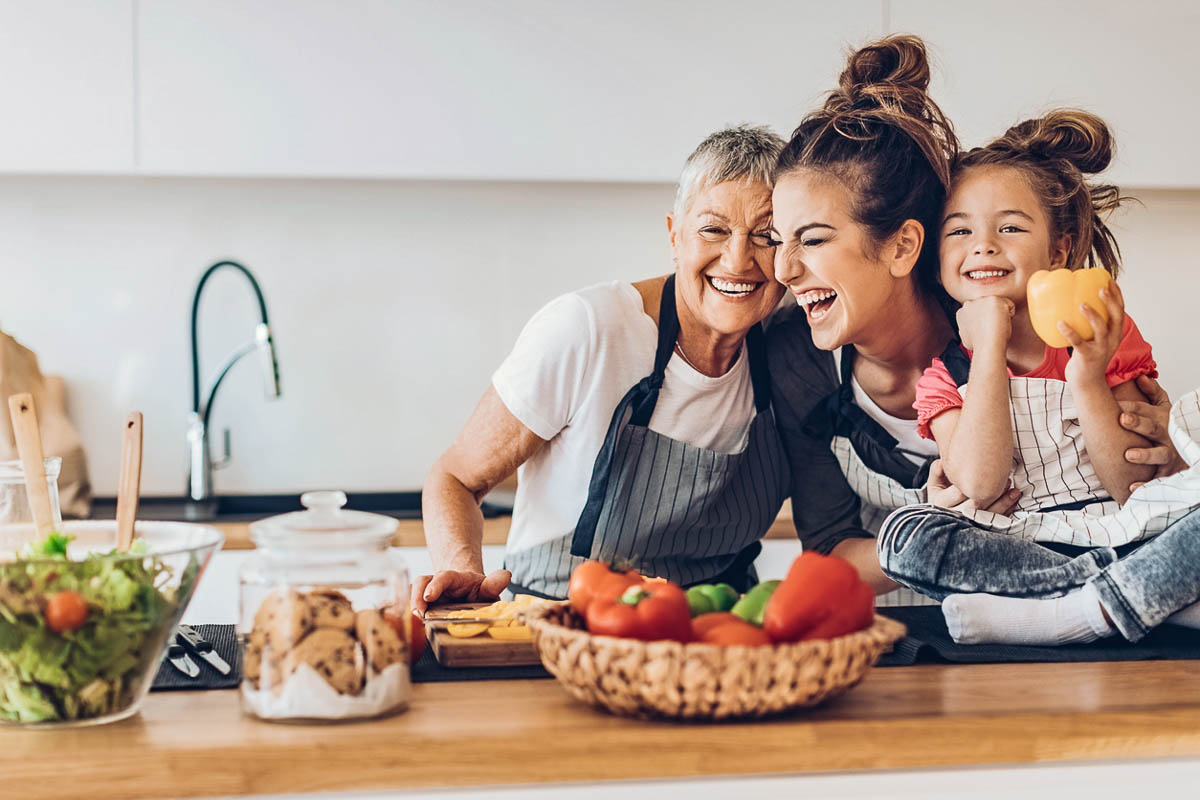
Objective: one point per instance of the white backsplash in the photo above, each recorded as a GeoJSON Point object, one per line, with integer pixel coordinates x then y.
{"type": "Point", "coordinates": [391, 303]}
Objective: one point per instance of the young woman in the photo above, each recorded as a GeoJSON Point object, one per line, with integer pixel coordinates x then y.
{"type": "Point", "coordinates": [857, 204]}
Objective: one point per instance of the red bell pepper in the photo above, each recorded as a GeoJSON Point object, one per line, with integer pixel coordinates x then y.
{"type": "Point", "coordinates": [856, 613]}
{"type": "Point", "coordinates": [725, 629]}
{"type": "Point", "coordinates": [820, 594]}
{"type": "Point", "coordinates": [593, 578]}
{"type": "Point", "coordinates": [649, 611]}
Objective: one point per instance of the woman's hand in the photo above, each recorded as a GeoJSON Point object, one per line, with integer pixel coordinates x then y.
{"type": "Point", "coordinates": [985, 321]}
{"type": "Point", "coordinates": [941, 492]}
{"type": "Point", "coordinates": [465, 587]}
{"type": "Point", "coordinates": [1091, 357]}
{"type": "Point", "coordinates": [1150, 420]}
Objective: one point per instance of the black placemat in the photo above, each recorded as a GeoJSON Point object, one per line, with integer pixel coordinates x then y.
{"type": "Point", "coordinates": [224, 641]}
{"type": "Point", "coordinates": [928, 641]}
{"type": "Point", "coordinates": [428, 670]}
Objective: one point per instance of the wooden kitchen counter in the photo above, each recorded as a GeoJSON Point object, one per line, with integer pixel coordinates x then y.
{"type": "Point", "coordinates": [506, 732]}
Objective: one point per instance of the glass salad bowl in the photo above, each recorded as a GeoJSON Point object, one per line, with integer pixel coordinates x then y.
{"type": "Point", "coordinates": [82, 627]}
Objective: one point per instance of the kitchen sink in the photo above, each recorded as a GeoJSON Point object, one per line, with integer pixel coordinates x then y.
{"type": "Point", "coordinates": [247, 507]}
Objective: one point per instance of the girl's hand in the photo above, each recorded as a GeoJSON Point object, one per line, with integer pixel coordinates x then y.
{"type": "Point", "coordinates": [1150, 420]}
{"type": "Point", "coordinates": [986, 322]}
{"type": "Point", "coordinates": [1091, 358]}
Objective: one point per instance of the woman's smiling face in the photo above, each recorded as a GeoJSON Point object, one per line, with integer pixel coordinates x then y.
{"type": "Point", "coordinates": [825, 258]}
{"type": "Point", "coordinates": [722, 248]}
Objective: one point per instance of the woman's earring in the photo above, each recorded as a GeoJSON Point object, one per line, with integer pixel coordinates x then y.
{"type": "Point", "coordinates": [676, 260]}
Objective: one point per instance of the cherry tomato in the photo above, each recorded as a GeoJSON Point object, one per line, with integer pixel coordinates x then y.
{"type": "Point", "coordinates": [66, 611]}
{"type": "Point", "coordinates": [417, 645]}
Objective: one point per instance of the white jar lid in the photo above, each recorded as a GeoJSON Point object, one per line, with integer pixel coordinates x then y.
{"type": "Point", "coordinates": [324, 524]}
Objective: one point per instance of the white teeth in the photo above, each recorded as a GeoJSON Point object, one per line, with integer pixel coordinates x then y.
{"type": "Point", "coordinates": [986, 273]}
{"type": "Point", "coordinates": [815, 296]}
{"type": "Point", "coordinates": [729, 287]}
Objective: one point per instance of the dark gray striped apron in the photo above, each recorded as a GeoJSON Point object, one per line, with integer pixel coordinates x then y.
{"type": "Point", "coordinates": [664, 507]}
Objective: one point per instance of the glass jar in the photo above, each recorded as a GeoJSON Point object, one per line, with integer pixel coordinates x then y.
{"type": "Point", "coordinates": [324, 623]}
{"type": "Point", "coordinates": [14, 500]}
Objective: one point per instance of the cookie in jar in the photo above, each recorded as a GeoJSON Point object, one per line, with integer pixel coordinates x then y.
{"type": "Point", "coordinates": [323, 607]}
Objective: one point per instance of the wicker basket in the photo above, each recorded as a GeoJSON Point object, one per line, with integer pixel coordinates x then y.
{"type": "Point", "coordinates": [701, 681]}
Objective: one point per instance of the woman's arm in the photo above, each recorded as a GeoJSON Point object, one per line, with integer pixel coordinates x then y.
{"type": "Point", "coordinates": [1099, 413]}
{"type": "Point", "coordinates": [489, 448]}
{"type": "Point", "coordinates": [1150, 420]}
{"type": "Point", "coordinates": [976, 441]}
{"type": "Point", "coordinates": [825, 510]}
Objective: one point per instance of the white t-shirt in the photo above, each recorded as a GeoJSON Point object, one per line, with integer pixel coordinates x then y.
{"type": "Point", "coordinates": [912, 446]}
{"type": "Point", "coordinates": [574, 361]}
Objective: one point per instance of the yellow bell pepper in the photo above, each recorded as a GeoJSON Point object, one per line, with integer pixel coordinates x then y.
{"type": "Point", "coordinates": [1057, 294]}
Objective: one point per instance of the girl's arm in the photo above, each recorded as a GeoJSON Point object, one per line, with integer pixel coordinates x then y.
{"type": "Point", "coordinates": [976, 442]}
{"type": "Point", "coordinates": [1099, 413]}
{"type": "Point", "coordinates": [1105, 439]}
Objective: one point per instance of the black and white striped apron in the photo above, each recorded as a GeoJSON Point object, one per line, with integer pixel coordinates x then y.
{"type": "Point", "coordinates": [667, 508]}
{"type": "Point", "coordinates": [1062, 500]}
{"type": "Point", "coordinates": [877, 469]}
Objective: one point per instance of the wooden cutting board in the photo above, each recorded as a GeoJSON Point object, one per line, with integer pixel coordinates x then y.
{"type": "Point", "coordinates": [476, 651]}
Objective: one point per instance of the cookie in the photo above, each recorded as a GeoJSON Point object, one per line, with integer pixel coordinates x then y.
{"type": "Point", "coordinates": [331, 652]}
{"type": "Point", "coordinates": [330, 609]}
{"type": "Point", "coordinates": [384, 647]}
{"type": "Point", "coordinates": [252, 656]}
{"type": "Point", "coordinates": [262, 665]}
{"type": "Point", "coordinates": [285, 616]}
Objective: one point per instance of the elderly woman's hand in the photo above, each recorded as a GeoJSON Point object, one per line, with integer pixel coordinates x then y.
{"type": "Point", "coordinates": [1150, 420]}
{"type": "Point", "coordinates": [451, 585]}
{"type": "Point", "coordinates": [941, 492]}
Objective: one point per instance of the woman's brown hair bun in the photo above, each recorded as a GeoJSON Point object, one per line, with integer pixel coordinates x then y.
{"type": "Point", "coordinates": [883, 137]}
{"type": "Point", "coordinates": [1056, 152]}
{"type": "Point", "coordinates": [893, 72]}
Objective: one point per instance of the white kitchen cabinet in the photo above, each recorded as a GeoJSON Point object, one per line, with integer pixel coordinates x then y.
{"type": "Point", "coordinates": [1134, 64]}
{"type": "Point", "coordinates": [67, 90]}
{"type": "Point", "coordinates": [475, 89]}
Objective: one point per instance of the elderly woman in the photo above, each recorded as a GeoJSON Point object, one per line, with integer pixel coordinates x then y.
{"type": "Point", "coordinates": [638, 415]}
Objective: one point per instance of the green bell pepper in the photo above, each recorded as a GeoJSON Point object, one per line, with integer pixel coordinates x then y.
{"type": "Point", "coordinates": [754, 602]}
{"type": "Point", "coordinates": [706, 598]}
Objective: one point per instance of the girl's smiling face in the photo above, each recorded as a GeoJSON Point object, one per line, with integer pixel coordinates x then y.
{"type": "Point", "coordinates": [826, 259]}
{"type": "Point", "coordinates": [995, 235]}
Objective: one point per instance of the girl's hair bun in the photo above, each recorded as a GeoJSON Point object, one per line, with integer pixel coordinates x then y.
{"type": "Point", "coordinates": [1056, 152]}
{"type": "Point", "coordinates": [1075, 136]}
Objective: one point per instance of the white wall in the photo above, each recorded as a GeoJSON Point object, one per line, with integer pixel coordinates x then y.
{"type": "Point", "coordinates": [392, 301]}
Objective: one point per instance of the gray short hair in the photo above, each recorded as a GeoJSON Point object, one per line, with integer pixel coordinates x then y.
{"type": "Point", "coordinates": [743, 152]}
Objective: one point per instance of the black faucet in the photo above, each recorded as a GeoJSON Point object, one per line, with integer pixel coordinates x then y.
{"type": "Point", "coordinates": [200, 465]}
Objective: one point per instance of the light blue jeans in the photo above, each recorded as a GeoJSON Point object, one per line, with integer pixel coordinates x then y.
{"type": "Point", "coordinates": [939, 552]}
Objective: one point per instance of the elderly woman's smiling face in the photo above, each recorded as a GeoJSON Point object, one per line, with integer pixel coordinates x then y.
{"type": "Point", "coordinates": [724, 258]}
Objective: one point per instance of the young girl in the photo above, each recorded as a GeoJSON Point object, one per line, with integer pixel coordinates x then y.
{"type": "Point", "coordinates": [1009, 408]}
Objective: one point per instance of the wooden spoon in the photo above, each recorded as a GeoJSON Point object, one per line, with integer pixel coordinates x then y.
{"type": "Point", "coordinates": [29, 446]}
{"type": "Point", "coordinates": [131, 480]}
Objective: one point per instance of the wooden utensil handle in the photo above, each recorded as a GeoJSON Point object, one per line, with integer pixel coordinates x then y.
{"type": "Point", "coordinates": [33, 462]}
{"type": "Point", "coordinates": [131, 479]}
